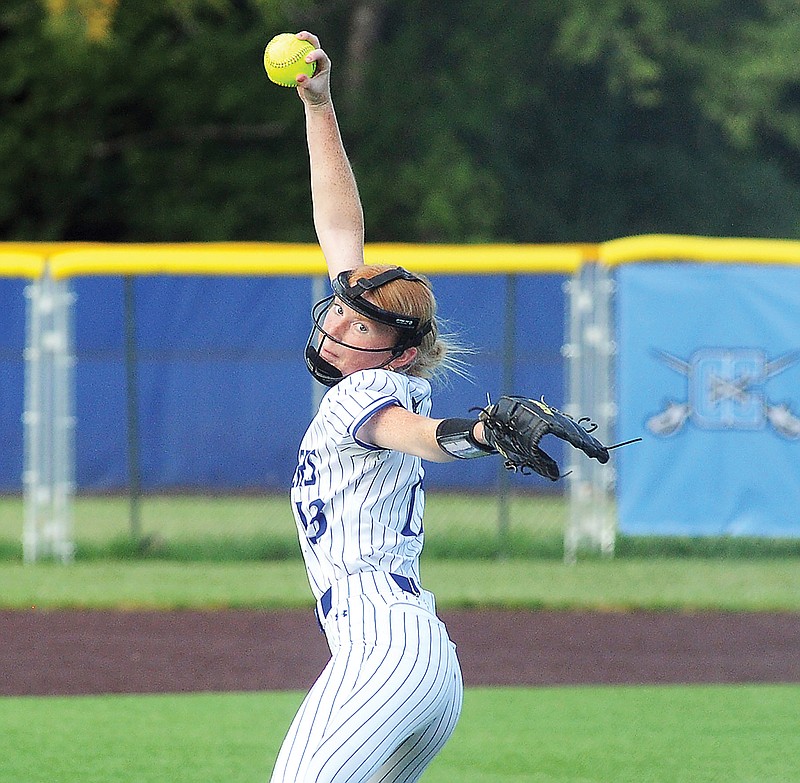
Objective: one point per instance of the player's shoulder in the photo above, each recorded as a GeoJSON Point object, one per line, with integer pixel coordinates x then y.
{"type": "Point", "coordinates": [387, 380]}
{"type": "Point", "coordinates": [386, 383]}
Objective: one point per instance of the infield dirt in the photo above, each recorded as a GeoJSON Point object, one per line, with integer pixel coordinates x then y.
{"type": "Point", "coordinates": [76, 652]}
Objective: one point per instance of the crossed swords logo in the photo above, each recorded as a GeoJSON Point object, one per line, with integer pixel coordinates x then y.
{"type": "Point", "coordinates": [738, 389]}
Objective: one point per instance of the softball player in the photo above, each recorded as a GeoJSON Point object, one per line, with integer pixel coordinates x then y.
{"type": "Point", "coordinates": [391, 694]}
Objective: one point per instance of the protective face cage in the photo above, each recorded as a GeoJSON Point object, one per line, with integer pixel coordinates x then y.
{"type": "Point", "coordinates": [411, 330]}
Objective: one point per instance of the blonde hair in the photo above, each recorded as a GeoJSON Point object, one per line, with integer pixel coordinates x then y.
{"type": "Point", "coordinates": [438, 353]}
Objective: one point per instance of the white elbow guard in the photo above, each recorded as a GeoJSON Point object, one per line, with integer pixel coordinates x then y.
{"type": "Point", "coordinates": [455, 438]}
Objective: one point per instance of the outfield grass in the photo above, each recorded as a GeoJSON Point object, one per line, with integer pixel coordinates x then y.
{"type": "Point", "coordinates": [236, 527]}
{"type": "Point", "coordinates": [708, 734]}
{"type": "Point", "coordinates": [688, 585]}
{"type": "Point", "coordinates": [242, 552]}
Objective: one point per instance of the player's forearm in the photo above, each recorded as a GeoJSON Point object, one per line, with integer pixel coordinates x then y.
{"type": "Point", "coordinates": [398, 429]}
{"type": "Point", "coordinates": [338, 215]}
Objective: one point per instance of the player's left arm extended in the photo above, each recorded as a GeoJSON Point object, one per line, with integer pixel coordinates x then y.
{"type": "Point", "coordinates": [512, 427]}
{"type": "Point", "coordinates": [399, 429]}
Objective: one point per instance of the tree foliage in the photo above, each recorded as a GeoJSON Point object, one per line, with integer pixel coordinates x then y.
{"type": "Point", "coordinates": [152, 120]}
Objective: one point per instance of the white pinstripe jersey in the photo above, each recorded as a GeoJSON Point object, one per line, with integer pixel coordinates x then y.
{"type": "Point", "coordinates": [358, 507]}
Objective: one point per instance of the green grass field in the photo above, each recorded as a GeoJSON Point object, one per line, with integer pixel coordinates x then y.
{"type": "Point", "coordinates": [257, 528]}
{"type": "Point", "coordinates": [709, 734]}
{"type": "Point", "coordinates": [192, 527]}
{"type": "Point", "coordinates": [243, 552]}
{"type": "Point", "coordinates": [685, 585]}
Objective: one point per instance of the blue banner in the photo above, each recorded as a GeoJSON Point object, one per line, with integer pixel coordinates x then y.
{"type": "Point", "coordinates": [709, 376]}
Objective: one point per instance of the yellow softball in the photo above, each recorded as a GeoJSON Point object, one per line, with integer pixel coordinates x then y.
{"type": "Point", "coordinates": [284, 59]}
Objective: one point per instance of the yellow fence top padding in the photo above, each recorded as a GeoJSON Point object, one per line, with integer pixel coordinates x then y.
{"type": "Point", "coordinates": [478, 259]}
{"type": "Point", "coordinates": [189, 259]}
{"type": "Point", "coordinates": [73, 259]}
{"type": "Point", "coordinates": [19, 263]}
{"type": "Point", "coordinates": [304, 259]}
{"type": "Point", "coordinates": [667, 247]}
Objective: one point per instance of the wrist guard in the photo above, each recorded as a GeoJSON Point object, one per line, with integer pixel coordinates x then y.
{"type": "Point", "coordinates": [455, 439]}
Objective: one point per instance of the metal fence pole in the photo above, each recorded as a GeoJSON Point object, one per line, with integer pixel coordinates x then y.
{"type": "Point", "coordinates": [509, 351]}
{"type": "Point", "coordinates": [132, 398]}
{"type": "Point", "coordinates": [590, 392]}
{"type": "Point", "coordinates": [49, 422]}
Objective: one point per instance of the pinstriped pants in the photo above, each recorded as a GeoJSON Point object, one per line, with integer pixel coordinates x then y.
{"type": "Point", "coordinates": [387, 701]}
